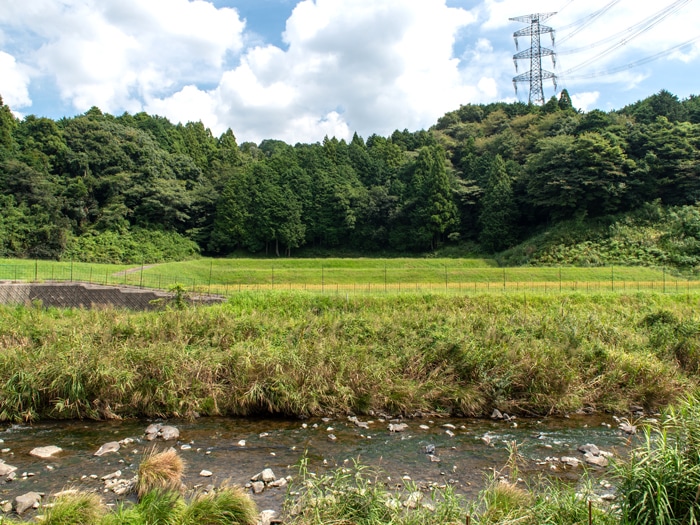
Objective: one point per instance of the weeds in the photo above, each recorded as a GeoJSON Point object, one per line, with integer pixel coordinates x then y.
{"type": "Point", "coordinates": [296, 354]}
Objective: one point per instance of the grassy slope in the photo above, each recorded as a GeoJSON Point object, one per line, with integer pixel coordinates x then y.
{"type": "Point", "coordinates": [295, 354]}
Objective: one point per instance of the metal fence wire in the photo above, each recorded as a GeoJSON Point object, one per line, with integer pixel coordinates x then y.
{"type": "Point", "coordinates": [345, 281]}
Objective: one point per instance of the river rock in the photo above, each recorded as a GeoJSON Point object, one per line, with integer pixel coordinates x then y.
{"type": "Point", "coordinates": [496, 414]}
{"type": "Point", "coordinates": [598, 461]}
{"type": "Point", "coordinates": [164, 432]}
{"type": "Point", "coordinates": [152, 431]}
{"type": "Point", "coordinates": [27, 501]}
{"type": "Point", "coordinates": [45, 452]}
{"type": "Point", "coordinates": [413, 499]}
{"type": "Point", "coordinates": [107, 448]}
{"type": "Point", "coordinates": [278, 483]}
{"type": "Point", "coordinates": [397, 427]}
{"type": "Point", "coordinates": [6, 506]}
{"type": "Point", "coordinates": [113, 475]}
{"type": "Point", "coordinates": [268, 476]}
{"type": "Point", "coordinates": [572, 462]}
{"type": "Point", "coordinates": [589, 448]}
{"type": "Point", "coordinates": [258, 487]}
{"type": "Point", "coordinates": [168, 433]}
{"type": "Point", "coordinates": [266, 517]}
{"type": "Point", "coordinates": [206, 473]}
{"type": "Point", "coordinates": [6, 469]}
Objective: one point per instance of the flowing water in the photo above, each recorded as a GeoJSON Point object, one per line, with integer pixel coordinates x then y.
{"type": "Point", "coordinates": [465, 458]}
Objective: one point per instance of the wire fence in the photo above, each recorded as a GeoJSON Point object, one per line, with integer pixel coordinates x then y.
{"type": "Point", "coordinates": [228, 282]}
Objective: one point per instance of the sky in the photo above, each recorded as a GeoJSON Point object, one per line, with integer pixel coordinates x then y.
{"type": "Point", "coordinates": [300, 70]}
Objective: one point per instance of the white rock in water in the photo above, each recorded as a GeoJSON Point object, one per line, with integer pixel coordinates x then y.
{"type": "Point", "coordinates": [572, 462]}
{"type": "Point", "coordinates": [268, 476]}
{"type": "Point", "coordinates": [112, 446]}
{"type": "Point", "coordinates": [45, 452]}
{"type": "Point", "coordinates": [169, 432]}
{"type": "Point", "coordinates": [258, 487]}
{"type": "Point", "coordinates": [397, 427]}
{"type": "Point", "coordinates": [206, 473]}
{"type": "Point", "coordinates": [241, 443]}
{"type": "Point", "coordinates": [113, 475]}
{"type": "Point", "coordinates": [27, 501]}
{"type": "Point", "coordinates": [267, 516]}
{"type": "Point", "coordinates": [153, 428]}
{"type": "Point", "coordinates": [6, 469]}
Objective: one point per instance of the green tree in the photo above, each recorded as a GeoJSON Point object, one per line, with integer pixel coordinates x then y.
{"type": "Point", "coordinates": [498, 217]}
{"type": "Point", "coordinates": [570, 175]}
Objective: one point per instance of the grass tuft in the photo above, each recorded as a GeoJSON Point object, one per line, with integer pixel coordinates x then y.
{"type": "Point", "coordinates": [229, 505]}
{"type": "Point", "coordinates": [160, 471]}
{"type": "Point", "coordinates": [80, 508]}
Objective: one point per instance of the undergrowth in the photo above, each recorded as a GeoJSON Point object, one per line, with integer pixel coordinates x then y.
{"type": "Point", "coordinates": [295, 354]}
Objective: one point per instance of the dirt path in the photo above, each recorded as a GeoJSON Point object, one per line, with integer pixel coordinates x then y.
{"type": "Point", "coordinates": [134, 270]}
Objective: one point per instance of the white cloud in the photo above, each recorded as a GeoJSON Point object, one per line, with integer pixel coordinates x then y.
{"type": "Point", "coordinates": [114, 53]}
{"type": "Point", "coordinates": [14, 83]}
{"type": "Point", "coordinates": [585, 101]}
{"type": "Point", "coordinates": [347, 65]}
{"type": "Point", "coordinates": [351, 65]}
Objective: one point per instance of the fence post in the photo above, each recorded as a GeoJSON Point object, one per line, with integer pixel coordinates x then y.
{"type": "Point", "coordinates": [664, 289]}
{"type": "Point", "coordinates": [211, 265]}
{"type": "Point", "coordinates": [71, 269]}
{"type": "Point", "coordinates": [36, 270]}
{"type": "Point", "coordinates": [612, 277]}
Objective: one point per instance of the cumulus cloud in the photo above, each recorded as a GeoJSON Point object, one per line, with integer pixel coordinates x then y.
{"type": "Point", "coordinates": [113, 53]}
{"type": "Point", "coordinates": [343, 66]}
{"type": "Point", "coordinates": [14, 82]}
{"type": "Point", "coordinates": [350, 65]}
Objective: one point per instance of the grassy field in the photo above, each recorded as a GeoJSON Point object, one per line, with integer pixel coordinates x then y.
{"type": "Point", "coordinates": [357, 276]}
{"type": "Point", "coordinates": [302, 354]}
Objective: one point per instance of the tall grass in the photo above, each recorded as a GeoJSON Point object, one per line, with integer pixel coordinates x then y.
{"type": "Point", "coordinates": [303, 354]}
{"type": "Point", "coordinates": [356, 495]}
{"type": "Point", "coordinates": [660, 483]}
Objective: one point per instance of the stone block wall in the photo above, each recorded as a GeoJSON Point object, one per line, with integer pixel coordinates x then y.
{"type": "Point", "coordinates": [82, 295]}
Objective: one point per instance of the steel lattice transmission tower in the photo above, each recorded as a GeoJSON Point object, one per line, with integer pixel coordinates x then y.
{"type": "Point", "coordinates": [536, 74]}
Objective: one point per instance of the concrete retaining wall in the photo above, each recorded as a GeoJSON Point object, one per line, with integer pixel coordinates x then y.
{"type": "Point", "coordinates": [82, 295]}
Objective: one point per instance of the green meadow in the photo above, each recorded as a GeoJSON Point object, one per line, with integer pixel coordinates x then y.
{"type": "Point", "coordinates": [353, 275]}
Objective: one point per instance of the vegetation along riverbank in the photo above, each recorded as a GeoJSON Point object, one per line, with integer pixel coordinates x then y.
{"type": "Point", "coordinates": [297, 354]}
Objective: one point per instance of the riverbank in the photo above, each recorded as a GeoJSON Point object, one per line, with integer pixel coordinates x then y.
{"type": "Point", "coordinates": [302, 355]}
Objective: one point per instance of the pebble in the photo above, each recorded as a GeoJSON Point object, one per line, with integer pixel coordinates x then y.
{"type": "Point", "coordinates": [206, 473]}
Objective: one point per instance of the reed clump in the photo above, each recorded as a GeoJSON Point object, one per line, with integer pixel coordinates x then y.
{"type": "Point", "coordinates": [299, 354]}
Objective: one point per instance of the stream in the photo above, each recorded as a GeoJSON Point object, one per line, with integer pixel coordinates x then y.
{"type": "Point", "coordinates": [465, 458]}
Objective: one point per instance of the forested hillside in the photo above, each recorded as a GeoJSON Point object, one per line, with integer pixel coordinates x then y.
{"type": "Point", "coordinates": [138, 188]}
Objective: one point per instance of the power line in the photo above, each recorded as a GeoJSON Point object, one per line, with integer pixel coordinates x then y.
{"type": "Point", "coordinates": [636, 63]}
{"type": "Point", "coordinates": [637, 29]}
{"type": "Point", "coordinates": [582, 23]}
{"type": "Point", "coordinates": [634, 30]}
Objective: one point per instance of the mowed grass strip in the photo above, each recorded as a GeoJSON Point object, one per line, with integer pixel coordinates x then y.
{"type": "Point", "coordinates": [390, 271]}
{"type": "Point", "coordinates": [296, 354]}
{"type": "Point", "coordinates": [225, 276]}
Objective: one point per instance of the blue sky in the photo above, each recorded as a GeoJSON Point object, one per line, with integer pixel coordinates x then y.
{"type": "Point", "coordinates": [299, 70]}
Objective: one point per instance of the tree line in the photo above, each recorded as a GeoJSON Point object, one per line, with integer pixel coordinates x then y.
{"type": "Point", "coordinates": [484, 177]}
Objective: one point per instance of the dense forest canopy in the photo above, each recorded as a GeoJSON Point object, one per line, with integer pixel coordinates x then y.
{"type": "Point", "coordinates": [138, 187]}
